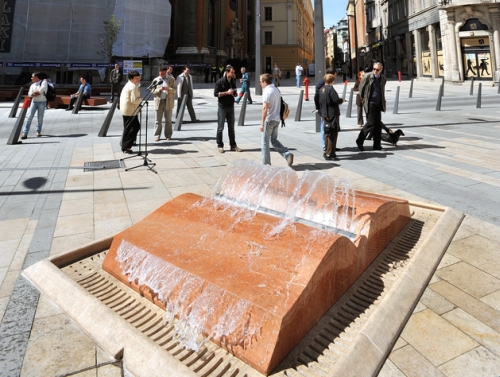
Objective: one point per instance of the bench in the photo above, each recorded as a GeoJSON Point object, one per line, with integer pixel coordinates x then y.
{"type": "Point", "coordinates": [63, 101]}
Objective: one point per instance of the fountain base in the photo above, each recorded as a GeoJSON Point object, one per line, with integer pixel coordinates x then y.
{"type": "Point", "coordinates": [254, 292]}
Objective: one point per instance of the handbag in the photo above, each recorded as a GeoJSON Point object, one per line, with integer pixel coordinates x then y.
{"type": "Point", "coordinates": [331, 125]}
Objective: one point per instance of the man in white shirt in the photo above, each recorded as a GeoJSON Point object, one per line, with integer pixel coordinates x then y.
{"type": "Point", "coordinates": [271, 98]}
{"type": "Point", "coordinates": [298, 73]}
{"type": "Point", "coordinates": [38, 103]}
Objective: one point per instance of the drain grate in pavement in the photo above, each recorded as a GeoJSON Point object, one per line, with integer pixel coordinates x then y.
{"type": "Point", "coordinates": [100, 165]}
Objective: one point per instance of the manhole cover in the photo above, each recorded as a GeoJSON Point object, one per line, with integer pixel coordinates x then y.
{"type": "Point", "coordinates": [100, 165]}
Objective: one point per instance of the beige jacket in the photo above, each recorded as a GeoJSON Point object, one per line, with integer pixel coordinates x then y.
{"type": "Point", "coordinates": [130, 99]}
{"type": "Point", "coordinates": [170, 93]}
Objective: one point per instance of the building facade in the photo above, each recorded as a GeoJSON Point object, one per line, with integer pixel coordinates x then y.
{"type": "Point", "coordinates": [287, 34]}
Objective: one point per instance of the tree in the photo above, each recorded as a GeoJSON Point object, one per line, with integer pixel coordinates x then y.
{"type": "Point", "coordinates": [109, 37]}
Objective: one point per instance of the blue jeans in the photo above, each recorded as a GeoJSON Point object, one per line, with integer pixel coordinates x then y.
{"type": "Point", "coordinates": [224, 113]}
{"type": "Point", "coordinates": [34, 107]}
{"type": "Point", "coordinates": [271, 134]}
{"type": "Point", "coordinates": [298, 81]}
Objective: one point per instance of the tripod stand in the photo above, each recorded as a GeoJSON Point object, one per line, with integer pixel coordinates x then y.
{"type": "Point", "coordinates": [146, 161]}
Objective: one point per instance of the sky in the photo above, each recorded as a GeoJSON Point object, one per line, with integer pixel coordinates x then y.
{"type": "Point", "coordinates": [333, 11]}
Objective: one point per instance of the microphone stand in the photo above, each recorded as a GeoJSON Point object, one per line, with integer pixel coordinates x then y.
{"type": "Point", "coordinates": [146, 161]}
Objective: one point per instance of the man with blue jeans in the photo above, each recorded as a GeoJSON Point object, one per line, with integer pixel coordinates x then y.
{"type": "Point", "coordinates": [38, 103]}
{"type": "Point", "coordinates": [84, 90]}
{"type": "Point", "coordinates": [225, 90]}
{"type": "Point", "coordinates": [271, 98]}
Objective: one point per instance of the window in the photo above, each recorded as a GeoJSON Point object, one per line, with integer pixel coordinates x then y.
{"type": "Point", "coordinates": [268, 37]}
{"type": "Point", "coordinates": [268, 13]}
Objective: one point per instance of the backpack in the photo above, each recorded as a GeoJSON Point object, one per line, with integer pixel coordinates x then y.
{"type": "Point", "coordinates": [284, 112]}
{"type": "Point", "coordinates": [51, 92]}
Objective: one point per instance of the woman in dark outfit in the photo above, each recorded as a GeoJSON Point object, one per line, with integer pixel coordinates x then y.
{"type": "Point", "coordinates": [329, 102]}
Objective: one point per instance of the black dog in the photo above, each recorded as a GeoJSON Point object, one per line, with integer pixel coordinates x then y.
{"type": "Point", "coordinates": [392, 137]}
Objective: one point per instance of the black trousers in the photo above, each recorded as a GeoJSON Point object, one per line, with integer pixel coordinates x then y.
{"type": "Point", "coordinates": [374, 124]}
{"type": "Point", "coordinates": [73, 100]}
{"type": "Point", "coordinates": [131, 127]}
{"type": "Point", "coordinates": [115, 88]}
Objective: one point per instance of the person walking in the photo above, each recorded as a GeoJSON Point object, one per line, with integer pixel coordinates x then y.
{"type": "Point", "coordinates": [372, 91]}
{"type": "Point", "coordinates": [298, 73]}
{"type": "Point", "coordinates": [359, 102]}
{"type": "Point", "coordinates": [276, 75]}
{"type": "Point", "coordinates": [225, 91]}
{"type": "Point", "coordinates": [37, 93]}
{"type": "Point", "coordinates": [115, 79]}
{"type": "Point", "coordinates": [185, 87]}
{"type": "Point", "coordinates": [329, 111]}
{"type": "Point", "coordinates": [130, 99]}
{"type": "Point", "coordinates": [271, 103]}
{"type": "Point", "coordinates": [164, 94]}
{"type": "Point", "coordinates": [245, 86]}
{"type": "Point", "coordinates": [345, 71]}
{"type": "Point", "coordinates": [213, 74]}
{"type": "Point", "coordinates": [84, 90]}
{"type": "Point", "coordinates": [319, 85]}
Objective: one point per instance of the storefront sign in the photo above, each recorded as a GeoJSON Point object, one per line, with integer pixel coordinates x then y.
{"type": "Point", "coordinates": [88, 65]}
{"type": "Point", "coordinates": [475, 42]}
{"type": "Point", "coordinates": [131, 65]}
{"type": "Point", "coordinates": [32, 64]}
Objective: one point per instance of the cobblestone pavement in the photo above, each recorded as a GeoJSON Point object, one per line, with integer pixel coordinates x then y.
{"type": "Point", "coordinates": [49, 204]}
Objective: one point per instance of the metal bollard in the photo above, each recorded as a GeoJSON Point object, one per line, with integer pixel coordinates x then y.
{"type": "Point", "coordinates": [299, 106]}
{"type": "Point", "coordinates": [180, 114]}
{"type": "Point", "coordinates": [13, 111]}
{"type": "Point", "coordinates": [349, 105]}
{"type": "Point", "coordinates": [442, 84]}
{"type": "Point", "coordinates": [243, 112]}
{"type": "Point", "coordinates": [440, 95]}
{"type": "Point", "coordinates": [471, 86]}
{"type": "Point", "coordinates": [16, 131]}
{"type": "Point", "coordinates": [105, 126]}
{"type": "Point", "coordinates": [411, 89]}
{"type": "Point", "coordinates": [396, 102]}
{"type": "Point", "coordinates": [78, 104]}
{"type": "Point", "coordinates": [478, 102]}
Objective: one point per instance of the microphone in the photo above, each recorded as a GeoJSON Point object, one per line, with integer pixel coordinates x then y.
{"type": "Point", "coordinates": [155, 83]}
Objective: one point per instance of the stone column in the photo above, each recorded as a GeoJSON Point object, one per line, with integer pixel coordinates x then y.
{"type": "Point", "coordinates": [432, 47]}
{"type": "Point", "coordinates": [495, 46]}
{"type": "Point", "coordinates": [418, 52]}
{"type": "Point", "coordinates": [453, 46]}
{"type": "Point", "coordinates": [409, 55]}
{"type": "Point", "coordinates": [187, 39]}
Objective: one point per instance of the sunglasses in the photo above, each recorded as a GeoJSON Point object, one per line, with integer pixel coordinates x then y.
{"type": "Point", "coordinates": [376, 69]}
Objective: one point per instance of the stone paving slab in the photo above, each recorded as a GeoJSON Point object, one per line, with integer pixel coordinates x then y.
{"type": "Point", "coordinates": [448, 157]}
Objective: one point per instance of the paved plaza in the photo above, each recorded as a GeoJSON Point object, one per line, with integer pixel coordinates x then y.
{"type": "Point", "coordinates": [49, 204]}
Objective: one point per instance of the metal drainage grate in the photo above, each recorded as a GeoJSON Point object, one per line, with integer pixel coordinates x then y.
{"type": "Point", "coordinates": [100, 165]}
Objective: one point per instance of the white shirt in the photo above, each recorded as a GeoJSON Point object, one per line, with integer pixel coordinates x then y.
{"type": "Point", "coordinates": [40, 86]}
{"type": "Point", "coordinates": [298, 70]}
{"type": "Point", "coordinates": [272, 96]}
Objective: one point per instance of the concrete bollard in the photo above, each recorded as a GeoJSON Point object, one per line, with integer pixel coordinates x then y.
{"type": "Point", "coordinates": [345, 89]}
{"type": "Point", "coordinates": [16, 131]}
{"type": "Point", "coordinates": [349, 105]}
{"type": "Point", "coordinates": [478, 102]}
{"type": "Point", "coordinates": [78, 104]}
{"type": "Point", "coordinates": [440, 95]}
{"type": "Point", "coordinates": [180, 114]}
{"type": "Point", "coordinates": [411, 89]}
{"type": "Point", "coordinates": [243, 112]}
{"type": "Point", "coordinates": [471, 86]}
{"type": "Point", "coordinates": [13, 111]}
{"type": "Point", "coordinates": [105, 126]}
{"type": "Point", "coordinates": [299, 106]}
{"type": "Point", "coordinates": [396, 102]}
